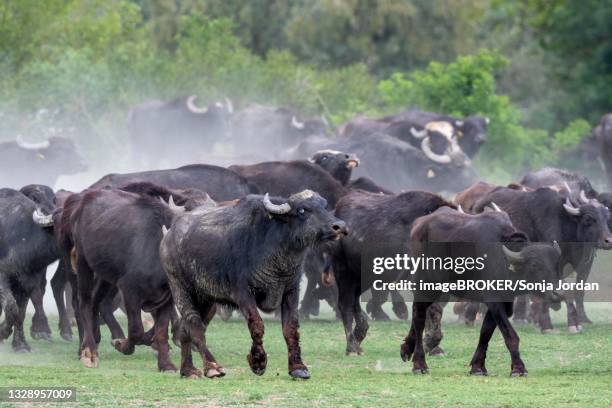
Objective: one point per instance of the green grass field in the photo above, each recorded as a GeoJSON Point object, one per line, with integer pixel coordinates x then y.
{"type": "Point", "coordinates": [564, 369]}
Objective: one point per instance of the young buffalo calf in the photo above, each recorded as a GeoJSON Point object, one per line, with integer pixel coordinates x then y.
{"type": "Point", "coordinates": [246, 255]}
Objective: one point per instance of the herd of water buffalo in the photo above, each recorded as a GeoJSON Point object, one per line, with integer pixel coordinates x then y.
{"type": "Point", "coordinates": [189, 242]}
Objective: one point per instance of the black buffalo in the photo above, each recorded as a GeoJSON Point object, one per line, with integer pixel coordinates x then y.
{"type": "Point", "coordinates": [546, 216]}
{"type": "Point", "coordinates": [177, 132]}
{"type": "Point", "coordinates": [373, 220]}
{"type": "Point", "coordinates": [267, 131]}
{"type": "Point", "coordinates": [31, 248]}
{"type": "Point", "coordinates": [220, 183]}
{"type": "Point", "coordinates": [116, 237]}
{"type": "Point", "coordinates": [38, 163]}
{"type": "Point", "coordinates": [246, 255]}
{"type": "Point", "coordinates": [560, 180]}
{"type": "Point", "coordinates": [447, 233]}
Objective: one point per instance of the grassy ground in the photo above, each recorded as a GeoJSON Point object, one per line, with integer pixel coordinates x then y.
{"type": "Point", "coordinates": [564, 370]}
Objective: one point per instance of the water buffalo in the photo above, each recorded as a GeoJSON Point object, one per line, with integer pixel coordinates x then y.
{"type": "Point", "coordinates": [220, 183]}
{"type": "Point", "coordinates": [545, 216]}
{"type": "Point", "coordinates": [38, 163]}
{"type": "Point", "coordinates": [560, 180]}
{"type": "Point", "coordinates": [247, 255]}
{"type": "Point", "coordinates": [267, 131]}
{"type": "Point", "coordinates": [116, 239]}
{"type": "Point", "coordinates": [31, 248]}
{"type": "Point", "coordinates": [177, 132]}
{"type": "Point", "coordinates": [373, 220]}
{"type": "Point", "coordinates": [450, 234]}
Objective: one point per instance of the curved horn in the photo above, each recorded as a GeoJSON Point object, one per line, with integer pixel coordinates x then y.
{"type": "Point", "coordinates": [438, 158]}
{"type": "Point", "coordinates": [228, 104]}
{"type": "Point", "coordinates": [496, 207]}
{"type": "Point", "coordinates": [192, 106]}
{"type": "Point", "coordinates": [31, 146]}
{"type": "Point", "coordinates": [567, 187]}
{"type": "Point", "coordinates": [512, 256]}
{"type": "Point", "coordinates": [557, 247]}
{"type": "Point", "coordinates": [583, 198]}
{"type": "Point", "coordinates": [419, 134]}
{"type": "Point", "coordinates": [275, 208]}
{"type": "Point", "coordinates": [296, 123]}
{"type": "Point", "coordinates": [569, 207]}
{"type": "Point", "coordinates": [460, 209]}
{"type": "Point", "coordinates": [41, 219]}
{"type": "Point", "coordinates": [164, 230]}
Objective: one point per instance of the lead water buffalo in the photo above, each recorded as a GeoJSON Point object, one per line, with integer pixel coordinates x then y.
{"type": "Point", "coordinates": [31, 248]}
{"type": "Point", "coordinates": [246, 255]}
{"type": "Point", "coordinates": [220, 183]}
{"type": "Point", "coordinates": [116, 239]}
{"type": "Point", "coordinates": [450, 234]}
{"type": "Point", "coordinates": [374, 220]}
{"type": "Point", "coordinates": [38, 163]}
{"type": "Point", "coordinates": [267, 131]}
{"type": "Point", "coordinates": [546, 216]}
{"type": "Point", "coordinates": [177, 132]}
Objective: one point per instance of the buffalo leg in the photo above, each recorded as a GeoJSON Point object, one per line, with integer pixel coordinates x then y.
{"type": "Point", "coordinates": [135, 328]}
{"type": "Point", "coordinates": [399, 306]}
{"type": "Point", "coordinates": [310, 302]}
{"type": "Point", "coordinates": [212, 369]}
{"type": "Point", "coordinates": [19, 342]}
{"type": "Point", "coordinates": [521, 304]}
{"type": "Point", "coordinates": [501, 313]}
{"type": "Point", "coordinates": [291, 325]}
{"type": "Point", "coordinates": [433, 329]}
{"type": "Point", "coordinates": [545, 321]}
{"type": "Point", "coordinates": [40, 329]}
{"type": "Point", "coordinates": [160, 338]}
{"type": "Point", "coordinates": [486, 332]}
{"type": "Point", "coordinates": [582, 275]}
{"type": "Point", "coordinates": [374, 305]}
{"type": "Point", "coordinates": [58, 285]}
{"type": "Point", "coordinates": [257, 358]}
{"type": "Point", "coordinates": [350, 309]}
{"type": "Point", "coordinates": [107, 309]}
{"type": "Point", "coordinates": [11, 311]}
{"type": "Point", "coordinates": [413, 343]}
{"type": "Point", "coordinates": [87, 313]}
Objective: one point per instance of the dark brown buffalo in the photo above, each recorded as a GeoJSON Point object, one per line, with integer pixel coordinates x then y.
{"type": "Point", "coordinates": [447, 233]}
{"type": "Point", "coordinates": [374, 220]}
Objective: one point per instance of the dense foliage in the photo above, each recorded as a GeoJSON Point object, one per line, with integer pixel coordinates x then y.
{"type": "Point", "coordinates": [526, 64]}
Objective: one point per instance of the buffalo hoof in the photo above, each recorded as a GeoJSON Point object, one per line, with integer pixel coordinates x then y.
{"type": "Point", "coordinates": [258, 362]}
{"type": "Point", "coordinates": [89, 359]}
{"type": "Point", "coordinates": [258, 370]}
{"type": "Point", "coordinates": [354, 353]}
{"type": "Point", "coordinates": [574, 329]}
{"type": "Point", "coordinates": [214, 370]}
{"type": "Point", "coordinates": [123, 346]}
{"type": "Point", "coordinates": [191, 373]}
{"type": "Point", "coordinates": [479, 372]}
{"type": "Point", "coordinates": [66, 336]}
{"type": "Point", "coordinates": [518, 373]}
{"type": "Point", "coordinates": [550, 331]}
{"type": "Point", "coordinates": [168, 368]}
{"type": "Point", "coordinates": [301, 374]}
{"type": "Point", "coordinates": [437, 352]}
{"type": "Point", "coordinates": [41, 336]}
{"type": "Point", "coordinates": [420, 371]}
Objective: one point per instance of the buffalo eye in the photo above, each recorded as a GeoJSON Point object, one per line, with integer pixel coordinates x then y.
{"type": "Point", "coordinates": [324, 158]}
{"type": "Point", "coordinates": [300, 211]}
{"type": "Point", "coordinates": [588, 220]}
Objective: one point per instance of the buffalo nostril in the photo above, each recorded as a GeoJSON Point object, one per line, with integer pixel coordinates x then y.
{"type": "Point", "coordinates": [339, 226]}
